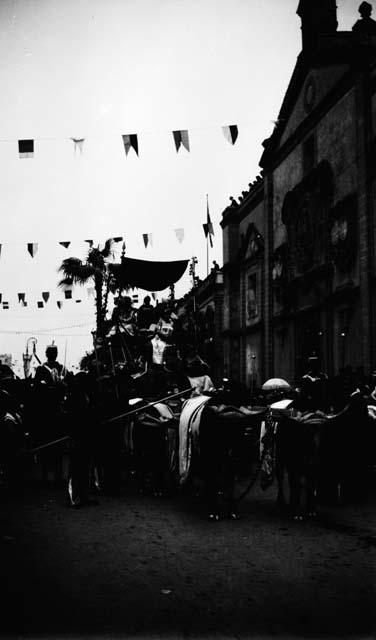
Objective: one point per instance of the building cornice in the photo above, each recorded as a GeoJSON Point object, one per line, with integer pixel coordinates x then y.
{"type": "Point", "coordinates": [235, 214]}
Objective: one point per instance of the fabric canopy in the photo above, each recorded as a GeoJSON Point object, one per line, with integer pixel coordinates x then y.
{"type": "Point", "coordinates": [148, 274]}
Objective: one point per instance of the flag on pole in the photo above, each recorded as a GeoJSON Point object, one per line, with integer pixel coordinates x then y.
{"type": "Point", "coordinates": [46, 295]}
{"type": "Point", "coordinates": [208, 225]}
{"type": "Point", "coordinates": [65, 244]}
{"type": "Point", "coordinates": [231, 133]}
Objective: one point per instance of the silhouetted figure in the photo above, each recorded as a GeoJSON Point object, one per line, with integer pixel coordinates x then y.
{"type": "Point", "coordinates": [145, 314]}
{"type": "Point", "coordinates": [366, 25]}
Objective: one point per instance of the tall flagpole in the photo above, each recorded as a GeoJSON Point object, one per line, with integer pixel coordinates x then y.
{"type": "Point", "coordinates": [207, 237]}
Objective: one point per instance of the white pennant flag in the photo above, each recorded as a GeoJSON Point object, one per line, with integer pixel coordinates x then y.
{"type": "Point", "coordinates": [179, 234]}
{"type": "Point", "coordinates": [78, 144]}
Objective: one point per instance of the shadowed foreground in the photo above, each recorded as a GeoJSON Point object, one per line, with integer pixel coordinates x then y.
{"type": "Point", "coordinates": [147, 567]}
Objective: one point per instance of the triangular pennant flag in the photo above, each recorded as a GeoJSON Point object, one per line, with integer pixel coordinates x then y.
{"type": "Point", "coordinates": [90, 243]}
{"type": "Point", "coordinates": [177, 138]}
{"type": "Point", "coordinates": [185, 139]}
{"type": "Point", "coordinates": [234, 132]}
{"type": "Point", "coordinates": [118, 239]}
{"type": "Point", "coordinates": [32, 248]}
{"type": "Point", "coordinates": [68, 294]}
{"type": "Point", "coordinates": [181, 138]}
{"type": "Point", "coordinates": [78, 144]}
{"type": "Point", "coordinates": [65, 244]}
{"type": "Point", "coordinates": [46, 295]}
{"type": "Point", "coordinates": [40, 304]}
{"type": "Point", "coordinates": [179, 234]}
{"type": "Point", "coordinates": [26, 148]}
{"type": "Point", "coordinates": [130, 141]}
{"type": "Point", "coordinates": [90, 292]}
{"type": "Point", "coordinates": [146, 239]}
{"type": "Point", "coordinates": [59, 303]}
{"type": "Point", "coordinates": [231, 133]}
{"type": "Point", "coordinates": [21, 297]}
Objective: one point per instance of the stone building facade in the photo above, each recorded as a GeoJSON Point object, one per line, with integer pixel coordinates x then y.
{"type": "Point", "coordinates": [299, 257]}
{"type": "Point", "coordinates": [201, 315]}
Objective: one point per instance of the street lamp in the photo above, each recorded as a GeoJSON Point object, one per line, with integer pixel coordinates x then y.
{"type": "Point", "coordinates": [27, 357]}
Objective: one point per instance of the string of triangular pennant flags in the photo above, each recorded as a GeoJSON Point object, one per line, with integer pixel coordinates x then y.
{"type": "Point", "coordinates": [26, 147]}
{"type": "Point", "coordinates": [32, 247]}
{"type": "Point", "coordinates": [68, 295]}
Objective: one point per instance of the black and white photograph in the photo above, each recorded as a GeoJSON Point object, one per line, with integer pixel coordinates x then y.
{"type": "Point", "coordinates": [187, 319]}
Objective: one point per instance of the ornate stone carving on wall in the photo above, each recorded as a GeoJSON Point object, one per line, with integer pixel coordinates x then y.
{"type": "Point", "coordinates": [304, 214]}
{"type": "Point", "coordinates": [251, 244]}
{"type": "Point", "coordinates": [343, 233]}
{"type": "Point", "coordinates": [280, 271]}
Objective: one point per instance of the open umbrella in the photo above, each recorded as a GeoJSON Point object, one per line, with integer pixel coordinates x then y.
{"type": "Point", "coordinates": [276, 384]}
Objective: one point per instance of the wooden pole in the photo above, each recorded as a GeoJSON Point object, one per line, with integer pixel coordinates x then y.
{"type": "Point", "coordinates": [151, 404]}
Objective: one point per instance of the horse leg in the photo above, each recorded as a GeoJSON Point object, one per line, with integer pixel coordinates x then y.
{"type": "Point", "coordinates": [295, 490]}
{"type": "Point", "coordinates": [229, 492]}
{"type": "Point", "coordinates": [211, 493]}
{"type": "Point", "coordinates": [280, 474]}
{"type": "Point", "coordinates": [311, 493]}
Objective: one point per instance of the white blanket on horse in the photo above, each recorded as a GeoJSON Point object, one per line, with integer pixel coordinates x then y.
{"type": "Point", "coordinates": [188, 432]}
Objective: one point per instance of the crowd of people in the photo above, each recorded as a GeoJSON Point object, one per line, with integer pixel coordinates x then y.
{"type": "Point", "coordinates": [150, 359]}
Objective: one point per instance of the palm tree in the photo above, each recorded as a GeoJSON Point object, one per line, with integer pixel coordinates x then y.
{"type": "Point", "coordinates": [95, 268]}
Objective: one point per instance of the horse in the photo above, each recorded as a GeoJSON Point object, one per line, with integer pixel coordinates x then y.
{"type": "Point", "coordinates": [323, 456]}
{"type": "Point", "coordinates": [212, 440]}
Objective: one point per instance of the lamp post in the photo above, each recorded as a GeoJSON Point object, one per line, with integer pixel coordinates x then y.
{"type": "Point", "coordinates": [27, 357]}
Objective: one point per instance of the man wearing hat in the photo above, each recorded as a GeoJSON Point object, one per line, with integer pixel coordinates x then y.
{"type": "Point", "coordinates": [51, 371]}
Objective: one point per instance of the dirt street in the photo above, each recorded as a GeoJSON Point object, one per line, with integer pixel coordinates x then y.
{"type": "Point", "coordinates": [138, 566]}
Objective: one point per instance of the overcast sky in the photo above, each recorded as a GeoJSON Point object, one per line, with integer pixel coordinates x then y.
{"type": "Point", "coordinates": [97, 69]}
